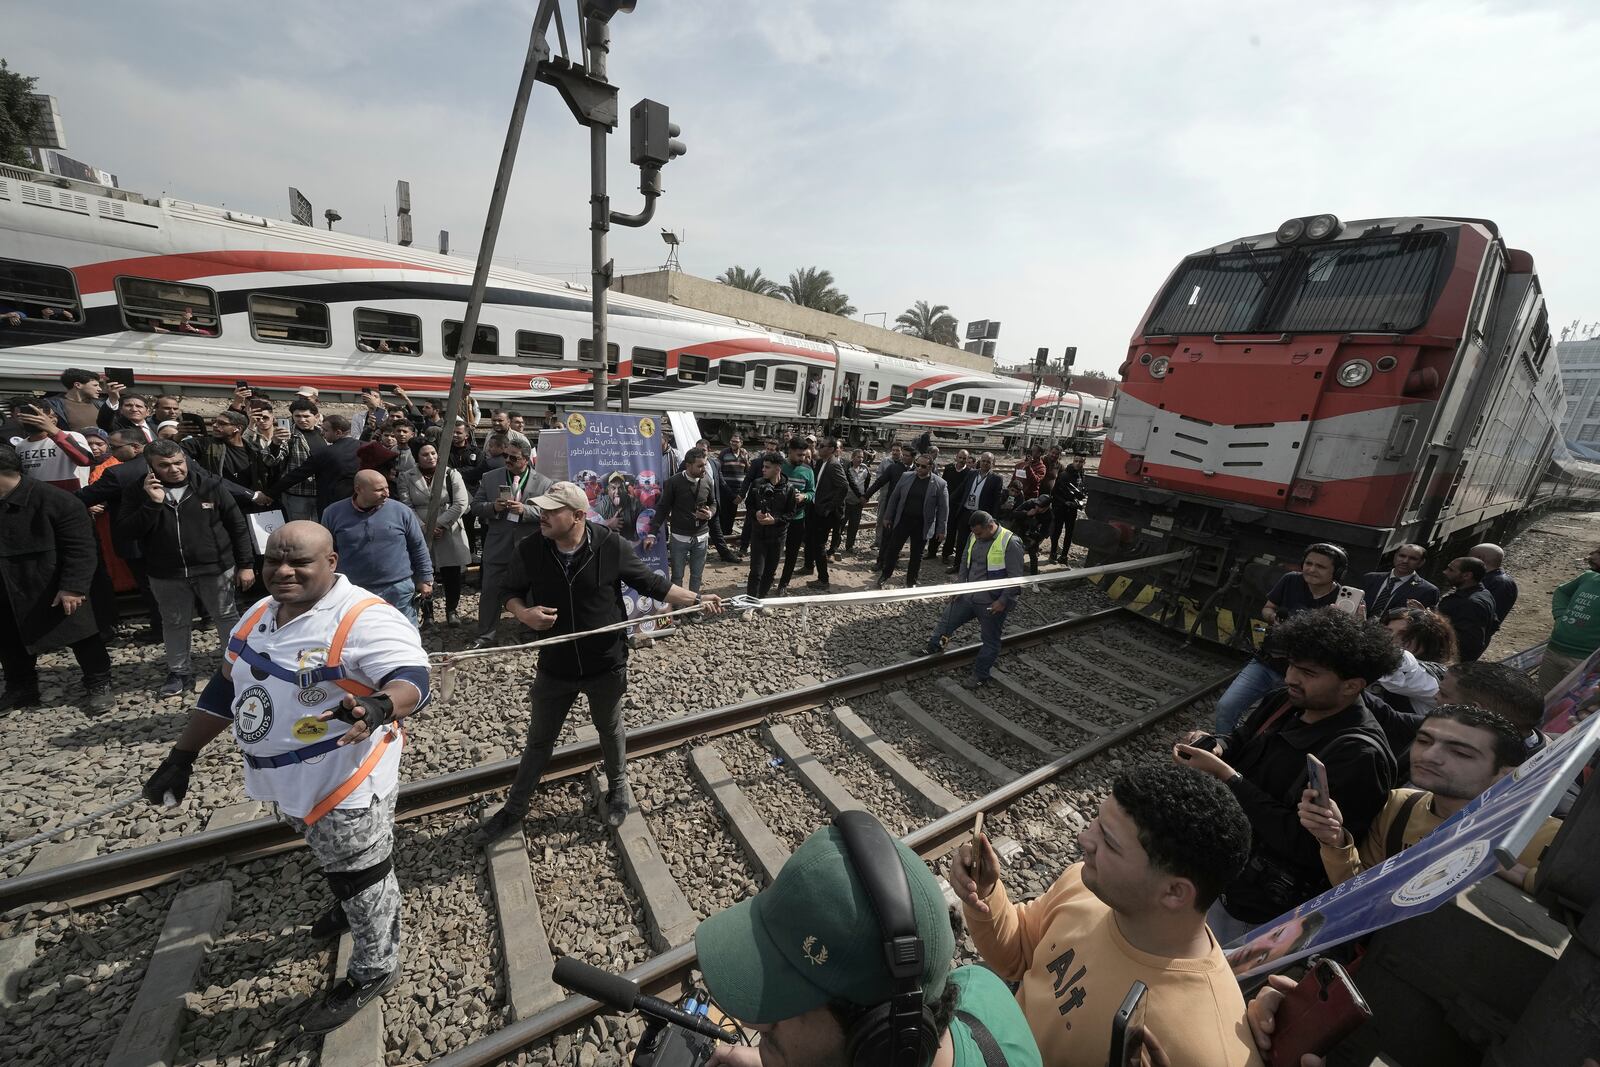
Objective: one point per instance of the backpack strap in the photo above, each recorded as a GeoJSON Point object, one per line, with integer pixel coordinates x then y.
{"type": "Point", "coordinates": [1393, 841]}
{"type": "Point", "coordinates": [992, 1056]}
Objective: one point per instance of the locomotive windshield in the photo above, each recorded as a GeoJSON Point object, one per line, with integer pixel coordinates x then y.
{"type": "Point", "coordinates": [1383, 284]}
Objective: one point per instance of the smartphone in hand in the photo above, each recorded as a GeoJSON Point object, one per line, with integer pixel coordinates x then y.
{"type": "Point", "coordinates": [1317, 778]}
{"type": "Point", "coordinates": [1322, 1010]}
{"type": "Point", "coordinates": [1127, 1028]}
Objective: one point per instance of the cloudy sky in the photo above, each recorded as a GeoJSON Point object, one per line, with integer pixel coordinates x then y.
{"type": "Point", "coordinates": [1045, 164]}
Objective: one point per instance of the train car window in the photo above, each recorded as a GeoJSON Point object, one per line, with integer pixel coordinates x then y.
{"type": "Point", "coordinates": [43, 293]}
{"type": "Point", "coordinates": [586, 350]}
{"type": "Point", "coordinates": [872, 390]}
{"type": "Point", "coordinates": [785, 380]}
{"type": "Point", "coordinates": [540, 345]}
{"type": "Point", "coordinates": [649, 363]}
{"type": "Point", "coordinates": [919, 397]}
{"type": "Point", "coordinates": [731, 374]}
{"type": "Point", "coordinates": [972, 403]}
{"type": "Point", "coordinates": [693, 368]}
{"type": "Point", "coordinates": [936, 400]}
{"type": "Point", "coordinates": [760, 378]}
{"type": "Point", "coordinates": [388, 331]}
{"type": "Point", "coordinates": [152, 306]}
{"type": "Point", "coordinates": [1383, 284]}
{"type": "Point", "coordinates": [281, 320]}
{"type": "Point", "coordinates": [988, 407]}
{"type": "Point", "coordinates": [897, 392]}
{"type": "Point", "coordinates": [486, 343]}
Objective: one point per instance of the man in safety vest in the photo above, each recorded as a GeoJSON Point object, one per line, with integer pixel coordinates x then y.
{"type": "Point", "coordinates": [992, 552]}
{"type": "Point", "coordinates": [314, 684]}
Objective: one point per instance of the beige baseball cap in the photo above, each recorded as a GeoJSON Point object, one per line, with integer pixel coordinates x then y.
{"type": "Point", "coordinates": [562, 495]}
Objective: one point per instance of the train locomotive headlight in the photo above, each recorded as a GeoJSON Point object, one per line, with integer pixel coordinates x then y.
{"type": "Point", "coordinates": [1354, 373]}
{"type": "Point", "coordinates": [1322, 227]}
{"type": "Point", "coordinates": [1159, 366]}
{"type": "Point", "coordinates": [1291, 231]}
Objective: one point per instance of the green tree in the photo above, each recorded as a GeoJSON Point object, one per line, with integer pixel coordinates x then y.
{"type": "Point", "coordinates": [751, 281]}
{"type": "Point", "coordinates": [1099, 374]}
{"type": "Point", "coordinates": [931, 323]}
{"type": "Point", "coordinates": [813, 287]}
{"type": "Point", "coordinates": [19, 114]}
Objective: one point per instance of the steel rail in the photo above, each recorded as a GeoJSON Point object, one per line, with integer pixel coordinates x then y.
{"type": "Point", "coordinates": [129, 870]}
{"type": "Point", "coordinates": [932, 840]}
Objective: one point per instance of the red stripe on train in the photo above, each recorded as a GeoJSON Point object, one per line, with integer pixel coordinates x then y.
{"type": "Point", "coordinates": [98, 277]}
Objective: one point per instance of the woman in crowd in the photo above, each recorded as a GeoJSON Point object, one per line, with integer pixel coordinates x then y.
{"type": "Point", "coordinates": [447, 541]}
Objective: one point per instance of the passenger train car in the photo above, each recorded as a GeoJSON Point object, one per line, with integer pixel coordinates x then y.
{"type": "Point", "coordinates": [193, 296]}
{"type": "Point", "coordinates": [1369, 383]}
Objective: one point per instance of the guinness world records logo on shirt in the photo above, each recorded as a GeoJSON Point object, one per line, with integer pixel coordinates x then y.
{"type": "Point", "coordinates": [252, 715]}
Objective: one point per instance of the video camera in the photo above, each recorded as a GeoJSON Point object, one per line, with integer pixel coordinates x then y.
{"type": "Point", "coordinates": [674, 1036]}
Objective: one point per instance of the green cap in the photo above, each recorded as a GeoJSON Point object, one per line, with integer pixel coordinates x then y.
{"type": "Point", "coordinates": [812, 936]}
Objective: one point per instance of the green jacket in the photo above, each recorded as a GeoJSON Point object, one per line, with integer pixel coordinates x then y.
{"type": "Point", "coordinates": [1576, 607]}
{"type": "Point", "coordinates": [804, 480]}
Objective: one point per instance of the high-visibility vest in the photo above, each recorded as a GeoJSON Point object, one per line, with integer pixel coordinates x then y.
{"type": "Point", "coordinates": [996, 564]}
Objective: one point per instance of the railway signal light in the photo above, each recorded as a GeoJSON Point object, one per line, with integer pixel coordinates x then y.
{"type": "Point", "coordinates": [605, 9]}
{"type": "Point", "coordinates": [653, 135]}
{"type": "Point", "coordinates": [1070, 356]}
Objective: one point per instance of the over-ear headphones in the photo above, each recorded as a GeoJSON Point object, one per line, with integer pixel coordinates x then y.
{"type": "Point", "coordinates": [1341, 559]}
{"type": "Point", "coordinates": [900, 1032]}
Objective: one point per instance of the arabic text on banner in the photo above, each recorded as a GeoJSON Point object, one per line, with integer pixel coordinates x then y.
{"type": "Point", "coordinates": [616, 460]}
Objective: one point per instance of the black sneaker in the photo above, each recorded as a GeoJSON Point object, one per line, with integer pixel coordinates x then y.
{"type": "Point", "coordinates": [483, 642]}
{"type": "Point", "coordinates": [97, 698]}
{"type": "Point", "coordinates": [727, 557]}
{"type": "Point", "coordinates": [17, 699]}
{"type": "Point", "coordinates": [343, 1000]}
{"type": "Point", "coordinates": [619, 802]}
{"type": "Point", "coordinates": [330, 923]}
{"type": "Point", "coordinates": [176, 684]}
{"type": "Point", "coordinates": [782, 590]}
{"type": "Point", "coordinates": [503, 823]}
{"type": "Point", "coordinates": [972, 681]}
{"type": "Point", "coordinates": [817, 583]}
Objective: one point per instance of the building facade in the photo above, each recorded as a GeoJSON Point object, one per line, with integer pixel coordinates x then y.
{"type": "Point", "coordinates": [1580, 376]}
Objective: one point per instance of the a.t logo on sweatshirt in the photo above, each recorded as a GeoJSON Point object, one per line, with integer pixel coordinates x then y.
{"type": "Point", "coordinates": [1069, 988]}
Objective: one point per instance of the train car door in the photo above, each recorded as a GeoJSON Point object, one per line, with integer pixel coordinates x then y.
{"type": "Point", "coordinates": [849, 395]}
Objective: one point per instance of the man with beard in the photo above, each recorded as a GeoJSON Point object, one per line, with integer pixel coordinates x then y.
{"type": "Point", "coordinates": [328, 673]}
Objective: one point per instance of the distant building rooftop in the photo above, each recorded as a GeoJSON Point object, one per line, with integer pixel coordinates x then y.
{"type": "Point", "coordinates": [676, 287]}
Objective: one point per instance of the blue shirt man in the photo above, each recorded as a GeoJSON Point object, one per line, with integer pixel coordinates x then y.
{"type": "Point", "coordinates": [380, 544]}
{"type": "Point", "coordinates": [992, 552]}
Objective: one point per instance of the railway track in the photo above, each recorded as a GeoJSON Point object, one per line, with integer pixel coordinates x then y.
{"type": "Point", "coordinates": [194, 949]}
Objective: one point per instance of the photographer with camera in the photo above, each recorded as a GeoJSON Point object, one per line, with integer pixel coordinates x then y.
{"type": "Point", "coordinates": [770, 506]}
{"type": "Point", "coordinates": [804, 963]}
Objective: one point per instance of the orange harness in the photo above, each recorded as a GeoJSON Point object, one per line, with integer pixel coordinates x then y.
{"type": "Point", "coordinates": [332, 671]}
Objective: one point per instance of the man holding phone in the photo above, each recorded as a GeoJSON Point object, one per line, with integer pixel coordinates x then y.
{"type": "Point", "coordinates": [567, 578]}
{"type": "Point", "coordinates": [505, 505]}
{"type": "Point", "coordinates": [1160, 850]}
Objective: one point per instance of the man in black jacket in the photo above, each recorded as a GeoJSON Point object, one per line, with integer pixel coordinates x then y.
{"type": "Point", "coordinates": [334, 466]}
{"type": "Point", "coordinates": [568, 577]}
{"type": "Point", "coordinates": [1332, 658]}
{"type": "Point", "coordinates": [1469, 607]}
{"type": "Point", "coordinates": [823, 515]}
{"type": "Point", "coordinates": [980, 491]}
{"type": "Point", "coordinates": [195, 543]}
{"type": "Point", "coordinates": [1501, 585]}
{"type": "Point", "coordinates": [47, 560]}
{"type": "Point", "coordinates": [1066, 497]}
{"type": "Point", "coordinates": [1401, 584]}
{"type": "Point", "coordinates": [770, 504]}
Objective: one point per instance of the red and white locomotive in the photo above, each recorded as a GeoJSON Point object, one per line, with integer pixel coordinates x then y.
{"type": "Point", "coordinates": [1370, 383]}
{"type": "Point", "coordinates": [193, 296]}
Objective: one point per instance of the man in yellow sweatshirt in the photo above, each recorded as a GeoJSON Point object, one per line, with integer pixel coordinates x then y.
{"type": "Point", "coordinates": [1460, 751]}
{"type": "Point", "coordinates": [1161, 849]}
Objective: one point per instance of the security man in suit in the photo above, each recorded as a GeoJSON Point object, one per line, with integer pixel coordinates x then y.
{"type": "Point", "coordinates": [1392, 589]}
{"type": "Point", "coordinates": [504, 508]}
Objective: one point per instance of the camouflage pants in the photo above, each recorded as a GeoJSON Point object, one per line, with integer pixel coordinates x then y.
{"type": "Point", "coordinates": [353, 839]}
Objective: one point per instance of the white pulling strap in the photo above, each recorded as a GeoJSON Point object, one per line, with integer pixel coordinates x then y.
{"type": "Point", "coordinates": [866, 596]}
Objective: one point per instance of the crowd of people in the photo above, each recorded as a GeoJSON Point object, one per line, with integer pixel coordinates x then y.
{"type": "Point", "coordinates": [1381, 681]}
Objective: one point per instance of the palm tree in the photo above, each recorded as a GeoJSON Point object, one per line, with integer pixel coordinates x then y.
{"type": "Point", "coordinates": [750, 281]}
{"type": "Point", "coordinates": [813, 287]}
{"type": "Point", "coordinates": [934, 323]}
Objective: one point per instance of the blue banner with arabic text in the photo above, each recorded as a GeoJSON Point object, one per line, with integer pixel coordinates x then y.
{"type": "Point", "coordinates": [617, 461]}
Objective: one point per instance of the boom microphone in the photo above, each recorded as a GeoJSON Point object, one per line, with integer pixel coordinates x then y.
{"type": "Point", "coordinates": [617, 992]}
